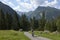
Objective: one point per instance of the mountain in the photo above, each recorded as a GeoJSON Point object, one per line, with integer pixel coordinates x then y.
{"type": "Point", "coordinates": [6, 8]}
{"type": "Point", "coordinates": [9, 19]}
{"type": "Point", "coordinates": [21, 13]}
{"type": "Point", "coordinates": [50, 12]}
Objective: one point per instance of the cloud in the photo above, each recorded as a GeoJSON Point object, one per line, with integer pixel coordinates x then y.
{"type": "Point", "coordinates": [18, 0]}
{"type": "Point", "coordinates": [38, 2]}
{"type": "Point", "coordinates": [11, 4]}
{"type": "Point", "coordinates": [4, 1]}
{"type": "Point", "coordinates": [17, 8]}
{"type": "Point", "coordinates": [26, 0]}
{"type": "Point", "coordinates": [51, 3]}
{"type": "Point", "coordinates": [35, 3]}
{"type": "Point", "coordinates": [30, 5]}
{"type": "Point", "coordinates": [26, 5]}
{"type": "Point", "coordinates": [7, 2]}
{"type": "Point", "coordinates": [44, 2]}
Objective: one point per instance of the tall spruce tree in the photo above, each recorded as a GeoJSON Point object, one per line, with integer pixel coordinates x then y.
{"type": "Point", "coordinates": [32, 23]}
{"type": "Point", "coordinates": [18, 20]}
{"type": "Point", "coordinates": [24, 23]}
{"type": "Point", "coordinates": [47, 26]}
{"type": "Point", "coordinates": [8, 20]}
{"type": "Point", "coordinates": [58, 24]}
{"type": "Point", "coordinates": [42, 22]}
{"type": "Point", "coordinates": [14, 22]}
{"type": "Point", "coordinates": [2, 20]}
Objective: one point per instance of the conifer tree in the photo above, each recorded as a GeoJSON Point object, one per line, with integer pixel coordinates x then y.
{"type": "Point", "coordinates": [42, 21]}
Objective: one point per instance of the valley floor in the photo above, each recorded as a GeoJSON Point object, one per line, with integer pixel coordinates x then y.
{"type": "Point", "coordinates": [12, 35]}
{"type": "Point", "coordinates": [53, 36]}
{"type": "Point", "coordinates": [35, 37]}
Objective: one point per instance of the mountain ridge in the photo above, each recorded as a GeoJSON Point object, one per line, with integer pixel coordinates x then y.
{"type": "Point", "coordinates": [49, 11]}
{"type": "Point", "coordinates": [6, 8]}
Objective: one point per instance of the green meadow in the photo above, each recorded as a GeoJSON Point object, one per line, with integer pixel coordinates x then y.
{"type": "Point", "coordinates": [52, 36]}
{"type": "Point", "coordinates": [12, 35]}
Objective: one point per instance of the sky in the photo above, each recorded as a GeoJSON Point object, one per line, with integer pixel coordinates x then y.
{"type": "Point", "coordinates": [30, 5]}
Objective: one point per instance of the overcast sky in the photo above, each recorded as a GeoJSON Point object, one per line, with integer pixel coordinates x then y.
{"type": "Point", "coordinates": [30, 5]}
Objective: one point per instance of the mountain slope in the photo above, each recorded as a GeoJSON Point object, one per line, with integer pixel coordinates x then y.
{"type": "Point", "coordinates": [6, 8]}
{"type": "Point", "coordinates": [9, 19]}
{"type": "Point", "coordinates": [49, 12]}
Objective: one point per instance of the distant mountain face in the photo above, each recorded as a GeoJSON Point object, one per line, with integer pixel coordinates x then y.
{"type": "Point", "coordinates": [49, 12]}
{"type": "Point", "coordinates": [21, 13]}
{"type": "Point", "coordinates": [6, 8]}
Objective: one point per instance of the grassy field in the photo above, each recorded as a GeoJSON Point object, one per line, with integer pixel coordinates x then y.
{"type": "Point", "coordinates": [12, 35]}
{"type": "Point", "coordinates": [52, 36]}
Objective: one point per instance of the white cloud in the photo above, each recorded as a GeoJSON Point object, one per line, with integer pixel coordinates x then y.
{"type": "Point", "coordinates": [26, 0]}
{"type": "Point", "coordinates": [11, 4]}
{"type": "Point", "coordinates": [5, 1]}
{"type": "Point", "coordinates": [35, 3]}
{"type": "Point", "coordinates": [38, 2]}
{"type": "Point", "coordinates": [17, 0]}
{"type": "Point", "coordinates": [17, 8]}
{"type": "Point", "coordinates": [23, 5]}
{"type": "Point", "coordinates": [50, 3]}
{"type": "Point", "coordinates": [26, 6]}
{"type": "Point", "coordinates": [44, 2]}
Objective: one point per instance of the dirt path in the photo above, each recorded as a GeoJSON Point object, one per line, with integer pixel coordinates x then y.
{"type": "Point", "coordinates": [34, 38]}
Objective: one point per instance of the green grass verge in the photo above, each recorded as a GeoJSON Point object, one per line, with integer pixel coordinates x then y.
{"type": "Point", "coordinates": [52, 36]}
{"type": "Point", "coordinates": [12, 35]}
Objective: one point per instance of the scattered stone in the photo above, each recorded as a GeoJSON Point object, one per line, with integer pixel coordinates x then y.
{"type": "Point", "coordinates": [20, 29]}
{"type": "Point", "coordinates": [46, 31]}
{"type": "Point", "coordinates": [56, 32]}
{"type": "Point", "coordinates": [41, 32]}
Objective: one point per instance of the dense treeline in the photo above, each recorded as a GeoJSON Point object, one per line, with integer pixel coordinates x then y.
{"type": "Point", "coordinates": [8, 21]}
{"type": "Point", "coordinates": [16, 22]}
